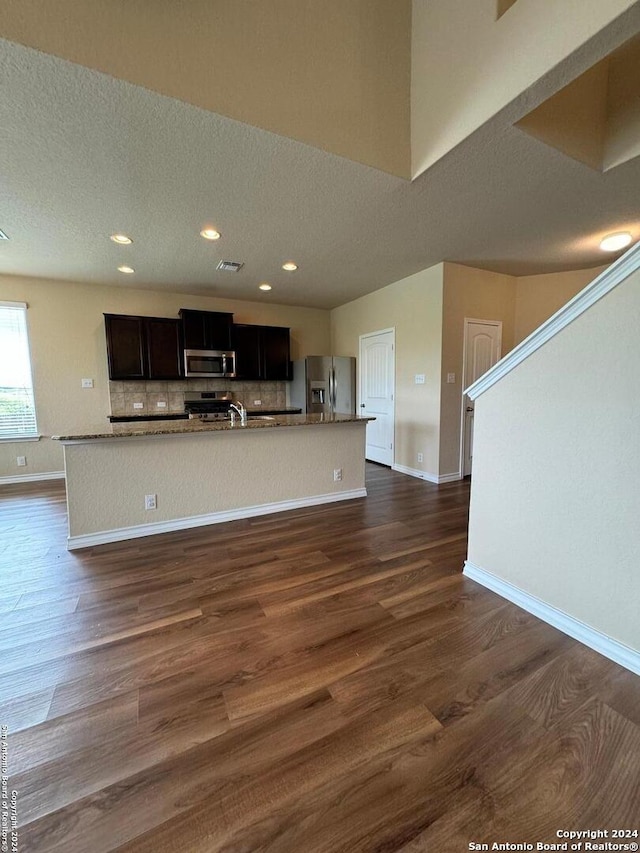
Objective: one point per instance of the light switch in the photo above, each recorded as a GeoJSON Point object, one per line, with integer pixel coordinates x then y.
{"type": "Point", "coordinates": [87, 383]}
{"type": "Point", "coordinates": [419, 379]}
{"type": "Point", "coordinates": [451, 378]}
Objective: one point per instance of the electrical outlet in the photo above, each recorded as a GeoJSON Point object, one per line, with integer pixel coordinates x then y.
{"type": "Point", "coordinates": [21, 461]}
{"type": "Point", "coordinates": [138, 405]}
{"type": "Point", "coordinates": [161, 404]}
{"type": "Point", "coordinates": [420, 457]}
{"type": "Point", "coordinates": [451, 378]}
{"type": "Point", "coordinates": [419, 379]}
{"type": "Point", "coordinates": [87, 383]}
{"type": "Point", "coordinates": [150, 502]}
{"type": "Point", "coordinates": [257, 402]}
{"type": "Point", "coordinates": [337, 475]}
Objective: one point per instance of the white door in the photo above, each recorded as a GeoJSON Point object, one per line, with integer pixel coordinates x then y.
{"type": "Point", "coordinates": [377, 390]}
{"type": "Point", "coordinates": [482, 349]}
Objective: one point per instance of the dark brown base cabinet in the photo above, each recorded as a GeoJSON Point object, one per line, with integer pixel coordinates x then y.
{"type": "Point", "coordinates": [143, 347]}
{"type": "Point", "coordinates": [262, 352]}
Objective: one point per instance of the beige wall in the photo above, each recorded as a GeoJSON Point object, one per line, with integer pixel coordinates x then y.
{"type": "Point", "coordinates": [574, 120]}
{"type": "Point", "coordinates": [555, 512]}
{"type": "Point", "coordinates": [538, 297]}
{"type": "Point", "coordinates": [335, 74]}
{"type": "Point", "coordinates": [211, 472]}
{"type": "Point", "coordinates": [67, 339]}
{"type": "Point", "coordinates": [413, 306]}
{"type": "Point", "coordinates": [596, 118]}
{"type": "Point", "coordinates": [623, 107]}
{"type": "Point", "coordinates": [461, 53]}
{"type": "Point", "coordinates": [479, 295]}
{"type": "Point", "coordinates": [428, 311]}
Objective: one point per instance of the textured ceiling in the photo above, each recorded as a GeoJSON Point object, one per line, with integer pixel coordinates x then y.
{"type": "Point", "coordinates": [83, 155]}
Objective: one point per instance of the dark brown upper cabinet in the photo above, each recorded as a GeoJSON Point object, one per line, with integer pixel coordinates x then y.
{"type": "Point", "coordinates": [164, 348]}
{"type": "Point", "coordinates": [206, 329]}
{"type": "Point", "coordinates": [143, 347]}
{"type": "Point", "coordinates": [246, 342]}
{"type": "Point", "coordinates": [276, 349]}
{"type": "Point", "coordinates": [125, 347]}
{"type": "Point", "coordinates": [262, 352]}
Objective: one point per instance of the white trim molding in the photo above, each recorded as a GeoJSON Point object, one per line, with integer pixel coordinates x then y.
{"type": "Point", "coordinates": [624, 655]}
{"type": "Point", "coordinates": [123, 533]}
{"type": "Point", "coordinates": [599, 287]}
{"type": "Point", "coordinates": [32, 478]}
{"type": "Point", "coordinates": [450, 478]}
{"type": "Point", "coordinates": [425, 475]}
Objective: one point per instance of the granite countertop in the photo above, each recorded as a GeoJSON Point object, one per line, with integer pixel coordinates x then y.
{"type": "Point", "coordinates": [188, 427]}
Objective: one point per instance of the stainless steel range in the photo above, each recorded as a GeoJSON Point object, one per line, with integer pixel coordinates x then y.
{"type": "Point", "coordinates": [208, 405]}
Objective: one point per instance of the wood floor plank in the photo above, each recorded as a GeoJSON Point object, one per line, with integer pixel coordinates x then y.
{"type": "Point", "coordinates": [322, 680]}
{"type": "Point", "coordinates": [212, 825]}
{"type": "Point", "coordinates": [58, 739]}
{"type": "Point", "coordinates": [180, 783]}
{"type": "Point", "coordinates": [62, 646]}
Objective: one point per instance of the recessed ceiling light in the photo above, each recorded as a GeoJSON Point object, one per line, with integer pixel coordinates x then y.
{"type": "Point", "coordinates": [264, 286]}
{"type": "Point", "coordinates": [126, 269]}
{"type": "Point", "coordinates": [122, 239]}
{"type": "Point", "coordinates": [613, 242]}
{"type": "Point", "coordinates": [290, 266]}
{"type": "Point", "coordinates": [210, 234]}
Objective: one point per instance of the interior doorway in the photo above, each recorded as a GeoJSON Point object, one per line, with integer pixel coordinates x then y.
{"type": "Point", "coordinates": [482, 349]}
{"type": "Point", "coordinates": [376, 393]}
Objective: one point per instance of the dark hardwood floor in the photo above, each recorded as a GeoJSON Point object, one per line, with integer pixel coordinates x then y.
{"type": "Point", "coordinates": [318, 680]}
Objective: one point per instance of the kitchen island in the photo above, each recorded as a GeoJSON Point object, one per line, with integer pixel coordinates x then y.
{"type": "Point", "coordinates": [202, 472]}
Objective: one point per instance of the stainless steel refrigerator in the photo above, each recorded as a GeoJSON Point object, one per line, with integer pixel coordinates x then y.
{"type": "Point", "coordinates": [324, 385]}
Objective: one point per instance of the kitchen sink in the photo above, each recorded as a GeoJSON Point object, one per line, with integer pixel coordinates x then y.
{"type": "Point", "coordinates": [260, 417]}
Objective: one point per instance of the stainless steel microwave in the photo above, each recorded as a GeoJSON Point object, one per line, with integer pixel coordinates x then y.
{"type": "Point", "coordinates": [209, 364]}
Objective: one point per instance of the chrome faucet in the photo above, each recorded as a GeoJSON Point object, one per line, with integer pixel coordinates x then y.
{"type": "Point", "coordinates": [240, 409]}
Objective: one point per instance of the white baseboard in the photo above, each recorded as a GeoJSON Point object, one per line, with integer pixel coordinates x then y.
{"type": "Point", "coordinates": [32, 478]}
{"type": "Point", "coordinates": [624, 655]}
{"type": "Point", "coordinates": [425, 475]}
{"type": "Point", "coordinates": [122, 533]}
{"type": "Point", "coordinates": [450, 478]}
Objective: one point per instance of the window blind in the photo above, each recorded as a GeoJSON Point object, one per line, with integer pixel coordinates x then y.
{"type": "Point", "coordinates": [17, 407]}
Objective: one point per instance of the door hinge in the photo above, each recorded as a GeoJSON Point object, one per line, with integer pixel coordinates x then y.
{"type": "Point", "coordinates": [391, 446]}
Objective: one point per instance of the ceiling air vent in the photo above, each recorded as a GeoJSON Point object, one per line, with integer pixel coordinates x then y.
{"type": "Point", "coordinates": [229, 266]}
{"type": "Point", "coordinates": [3, 236]}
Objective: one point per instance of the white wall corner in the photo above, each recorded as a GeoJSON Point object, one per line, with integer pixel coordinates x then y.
{"type": "Point", "coordinates": [619, 653]}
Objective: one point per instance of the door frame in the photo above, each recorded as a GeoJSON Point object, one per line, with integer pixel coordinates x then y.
{"type": "Point", "coordinates": [361, 338]}
{"type": "Point", "coordinates": [465, 383]}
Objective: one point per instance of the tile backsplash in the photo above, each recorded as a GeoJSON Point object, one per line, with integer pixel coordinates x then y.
{"type": "Point", "coordinates": [124, 395]}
